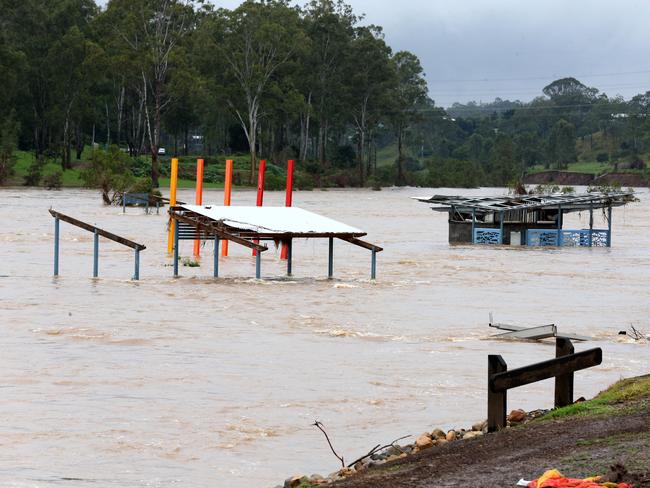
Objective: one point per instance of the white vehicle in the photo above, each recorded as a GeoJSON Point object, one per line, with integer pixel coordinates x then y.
{"type": "Point", "coordinates": [161, 151]}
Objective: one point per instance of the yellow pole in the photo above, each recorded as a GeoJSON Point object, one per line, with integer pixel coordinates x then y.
{"type": "Point", "coordinates": [227, 189]}
{"type": "Point", "coordinates": [172, 201]}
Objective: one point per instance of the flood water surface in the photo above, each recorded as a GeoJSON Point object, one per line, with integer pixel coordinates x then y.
{"type": "Point", "coordinates": [204, 383]}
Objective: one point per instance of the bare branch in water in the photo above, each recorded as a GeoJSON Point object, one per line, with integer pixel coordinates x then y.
{"type": "Point", "coordinates": [377, 448]}
{"type": "Point", "coordinates": [321, 427]}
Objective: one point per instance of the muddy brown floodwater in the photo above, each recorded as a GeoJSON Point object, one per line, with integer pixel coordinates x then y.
{"type": "Point", "coordinates": [195, 382]}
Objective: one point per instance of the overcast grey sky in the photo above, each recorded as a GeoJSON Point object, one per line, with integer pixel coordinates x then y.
{"type": "Point", "coordinates": [516, 47]}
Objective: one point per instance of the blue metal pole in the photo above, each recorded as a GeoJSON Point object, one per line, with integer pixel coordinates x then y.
{"type": "Point", "coordinates": [258, 265]}
{"type": "Point", "coordinates": [501, 214]}
{"type": "Point", "coordinates": [473, 223]}
{"type": "Point", "coordinates": [373, 267]}
{"type": "Point", "coordinates": [591, 224]}
{"type": "Point", "coordinates": [330, 266]}
{"type": "Point", "coordinates": [559, 225]}
{"type": "Point", "coordinates": [56, 246]}
{"type": "Point", "coordinates": [175, 248]}
{"type": "Point", "coordinates": [216, 257]}
{"type": "Point", "coordinates": [289, 256]}
{"type": "Point", "coordinates": [96, 254]}
{"type": "Point", "coordinates": [609, 227]}
{"type": "Point", "coordinates": [136, 274]}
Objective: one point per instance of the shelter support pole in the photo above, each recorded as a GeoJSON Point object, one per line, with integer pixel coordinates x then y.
{"type": "Point", "coordinates": [56, 246]}
{"type": "Point", "coordinates": [473, 223]}
{"type": "Point", "coordinates": [591, 223]}
{"type": "Point", "coordinates": [227, 191]}
{"type": "Point", "coordinates": [609, 226]}
{"type": "Point", "coordinates": [288, 199]}
{"type": "Point", "coordinates": [175, 249]}
{"type": "Point", "coordinates": [173, 181]}
{"type": "Point", "coordinates": [198, 200]}
{"type": "Point", "coordinates": [373, 265]}
{"type": "Point", "coordinates": [501, 216]}
{"type": "Point", "coordinates": [95, 254]}
{"type": "Point", "coordinates": [330, 262]}
{"type": "Point", "coordinates": [289, 256]}
{"type": "Point", "coordinates": [563, 383]}
{"type": "Point", "coordinates": [258, 265]}
{"type": "Point", "coordinates": [559, 225]}
{"type": "Point", "coordinates": [215, 266]}
{"type": "Point", "coordinates": [497, 400]}
{"type": "Point", "coordinates": [136, 272]}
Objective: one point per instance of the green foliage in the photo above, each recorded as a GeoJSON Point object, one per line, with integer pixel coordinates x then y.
{"type": "Point", "coordinates": [8, 139]}
{"type": "Point", "coordinates": [110, 172]}
{"type": "Point", "coordinates": [54, 180]}
{"type": "Point", "coordinates": [34, 173]}
{"type": "Point", "coordinates": [453, 173]}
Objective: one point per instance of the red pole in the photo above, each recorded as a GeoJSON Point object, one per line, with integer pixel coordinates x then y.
{"type": "Point", "coordinates": [285, 249]}
{"type": "Point", "coordinates": [199, 199]}
{"type": "Point", "coordinates": [260, 190]}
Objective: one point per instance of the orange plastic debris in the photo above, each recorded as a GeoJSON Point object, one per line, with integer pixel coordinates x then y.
{"type": "Point", "coordinates": [554, 479]}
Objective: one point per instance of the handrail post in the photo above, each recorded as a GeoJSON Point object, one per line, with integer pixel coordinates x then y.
{"type": "Point", "coordinates": [136, 273]}
{"type": "Point", "coordinates": [56, 246]}
{"type": "Point", "coordinates": [563, 383]}
{"type": "Point", "coordinates": [258, 265]}
{"type": "Point", "coordinates": [497, 400]}
{"type": "Point", "coordinates": [373, 265]}
{"type": "Point", "coordinates": [95, 254]}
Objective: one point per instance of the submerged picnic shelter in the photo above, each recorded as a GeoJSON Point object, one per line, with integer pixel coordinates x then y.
{"type": "Point", "coordinates": [251, 226]}
{"type": "Point", "coordinates": [527, 220]}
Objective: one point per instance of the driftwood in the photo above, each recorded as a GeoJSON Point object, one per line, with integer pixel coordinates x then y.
{"type": "Point", "coordinates": [374, 450]}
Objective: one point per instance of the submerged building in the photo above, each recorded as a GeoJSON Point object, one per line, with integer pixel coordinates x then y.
{"type": "Point", "coordinates": [527, 220]}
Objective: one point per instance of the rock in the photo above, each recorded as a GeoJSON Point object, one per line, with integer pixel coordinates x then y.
{"type": "Point", "coordinates": [393, 451]}
{"type": "Point", "coordinates": [479, 426]}
{"type": "Point", "coordinates": [472, 434]}
{"type": "Point", "coordinates": [294, 481]}
{"type": "Point", "coordinates": [438, 434]}
{"type": "Point", "coordinates": [397, 456]}
{"type": "Point", "coordinates": [517, 416]}
{"type": "Point", "coordinates": [451, 435]}
{"type": "Point", "coordinates": [344, 472]}
{"type": "Point", "coordinates": [423, 442]}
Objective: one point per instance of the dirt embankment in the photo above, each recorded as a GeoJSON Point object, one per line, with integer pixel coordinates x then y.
{"type": "Point", "coordinates": [586, 179]}
{"type": "Point", "coordinates": [587, 442]}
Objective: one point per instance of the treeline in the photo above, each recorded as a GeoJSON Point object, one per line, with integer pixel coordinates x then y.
{"type": "Point", "coordinates": [311, 83]}
{"type": "Point", "coordinates": [496, 143]}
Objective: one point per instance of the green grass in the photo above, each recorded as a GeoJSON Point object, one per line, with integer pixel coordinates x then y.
{"type": "Point", "coordinates": [607, 402]}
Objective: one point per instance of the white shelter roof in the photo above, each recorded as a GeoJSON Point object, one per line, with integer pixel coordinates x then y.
{"type": "Point", "coordinates": [279, 220]}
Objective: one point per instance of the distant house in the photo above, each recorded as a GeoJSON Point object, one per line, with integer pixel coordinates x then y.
{"type": "Point", "coordinates": [528, 220]}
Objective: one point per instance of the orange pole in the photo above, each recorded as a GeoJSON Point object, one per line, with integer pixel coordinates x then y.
{"type": "Point", "coordinates": [284, 254]}
{"type": "Point", "coordinates": [227, 190]}
{"type": "Point", "coordinates": [173, 182]}
{"type": "Point", "coordinates": [199, 199]}
{"type": "Point", "coordinates": [260, 190]}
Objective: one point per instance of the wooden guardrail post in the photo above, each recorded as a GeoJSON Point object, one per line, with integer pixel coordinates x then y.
{"type": "Point", "coordinates": [563, 382]}
{"type": "Point", "coordinates": [497, 400]}
{"type": "Point", "coordinates": [500, 380]}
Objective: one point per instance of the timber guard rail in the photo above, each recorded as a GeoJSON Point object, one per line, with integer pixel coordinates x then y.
{"type": "Point", "coordinates": [566, 362]}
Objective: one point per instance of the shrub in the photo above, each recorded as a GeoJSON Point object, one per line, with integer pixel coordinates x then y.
{"type": "Point", "coordinates": [54, 180]}
{"type": "Point", "coordinates": [602, 157]}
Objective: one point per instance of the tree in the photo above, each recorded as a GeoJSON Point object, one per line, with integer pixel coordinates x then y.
{"type": "Point", "coordinates": [409, 94]}
{"type": "Point", "coordinates": [255, 40]}
{"type": "Point", "coordinates": [109, 171]}
{"type": "Point", "coordinates": [561, 144]}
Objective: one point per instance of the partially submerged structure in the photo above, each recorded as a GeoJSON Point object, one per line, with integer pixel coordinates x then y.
{"type": "Point", "coordinates": [531, 220]}
{"type": "Point", "coordinates": [249, 226]}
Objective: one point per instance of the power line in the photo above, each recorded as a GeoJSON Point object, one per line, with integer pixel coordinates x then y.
{"type": "Point", "coordinates": [530, 78]}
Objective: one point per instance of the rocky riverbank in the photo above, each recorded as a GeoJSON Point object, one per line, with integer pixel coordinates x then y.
{"type": "Point", "coordinates": [380, 456]}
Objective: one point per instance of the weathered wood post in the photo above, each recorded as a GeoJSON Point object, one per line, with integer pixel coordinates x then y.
{"type": "Point", "coordinates": [497, 400]}
{"type": "Point", "coordinates": [501, 217]}
{"type": "Point", "coordinates": [563, 382]}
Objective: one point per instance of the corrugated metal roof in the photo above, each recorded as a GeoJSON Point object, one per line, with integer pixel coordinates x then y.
{"type": "Point", "coordinates": [522, 202]}
{"type": "Point", "coordinates": [279, 220]}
